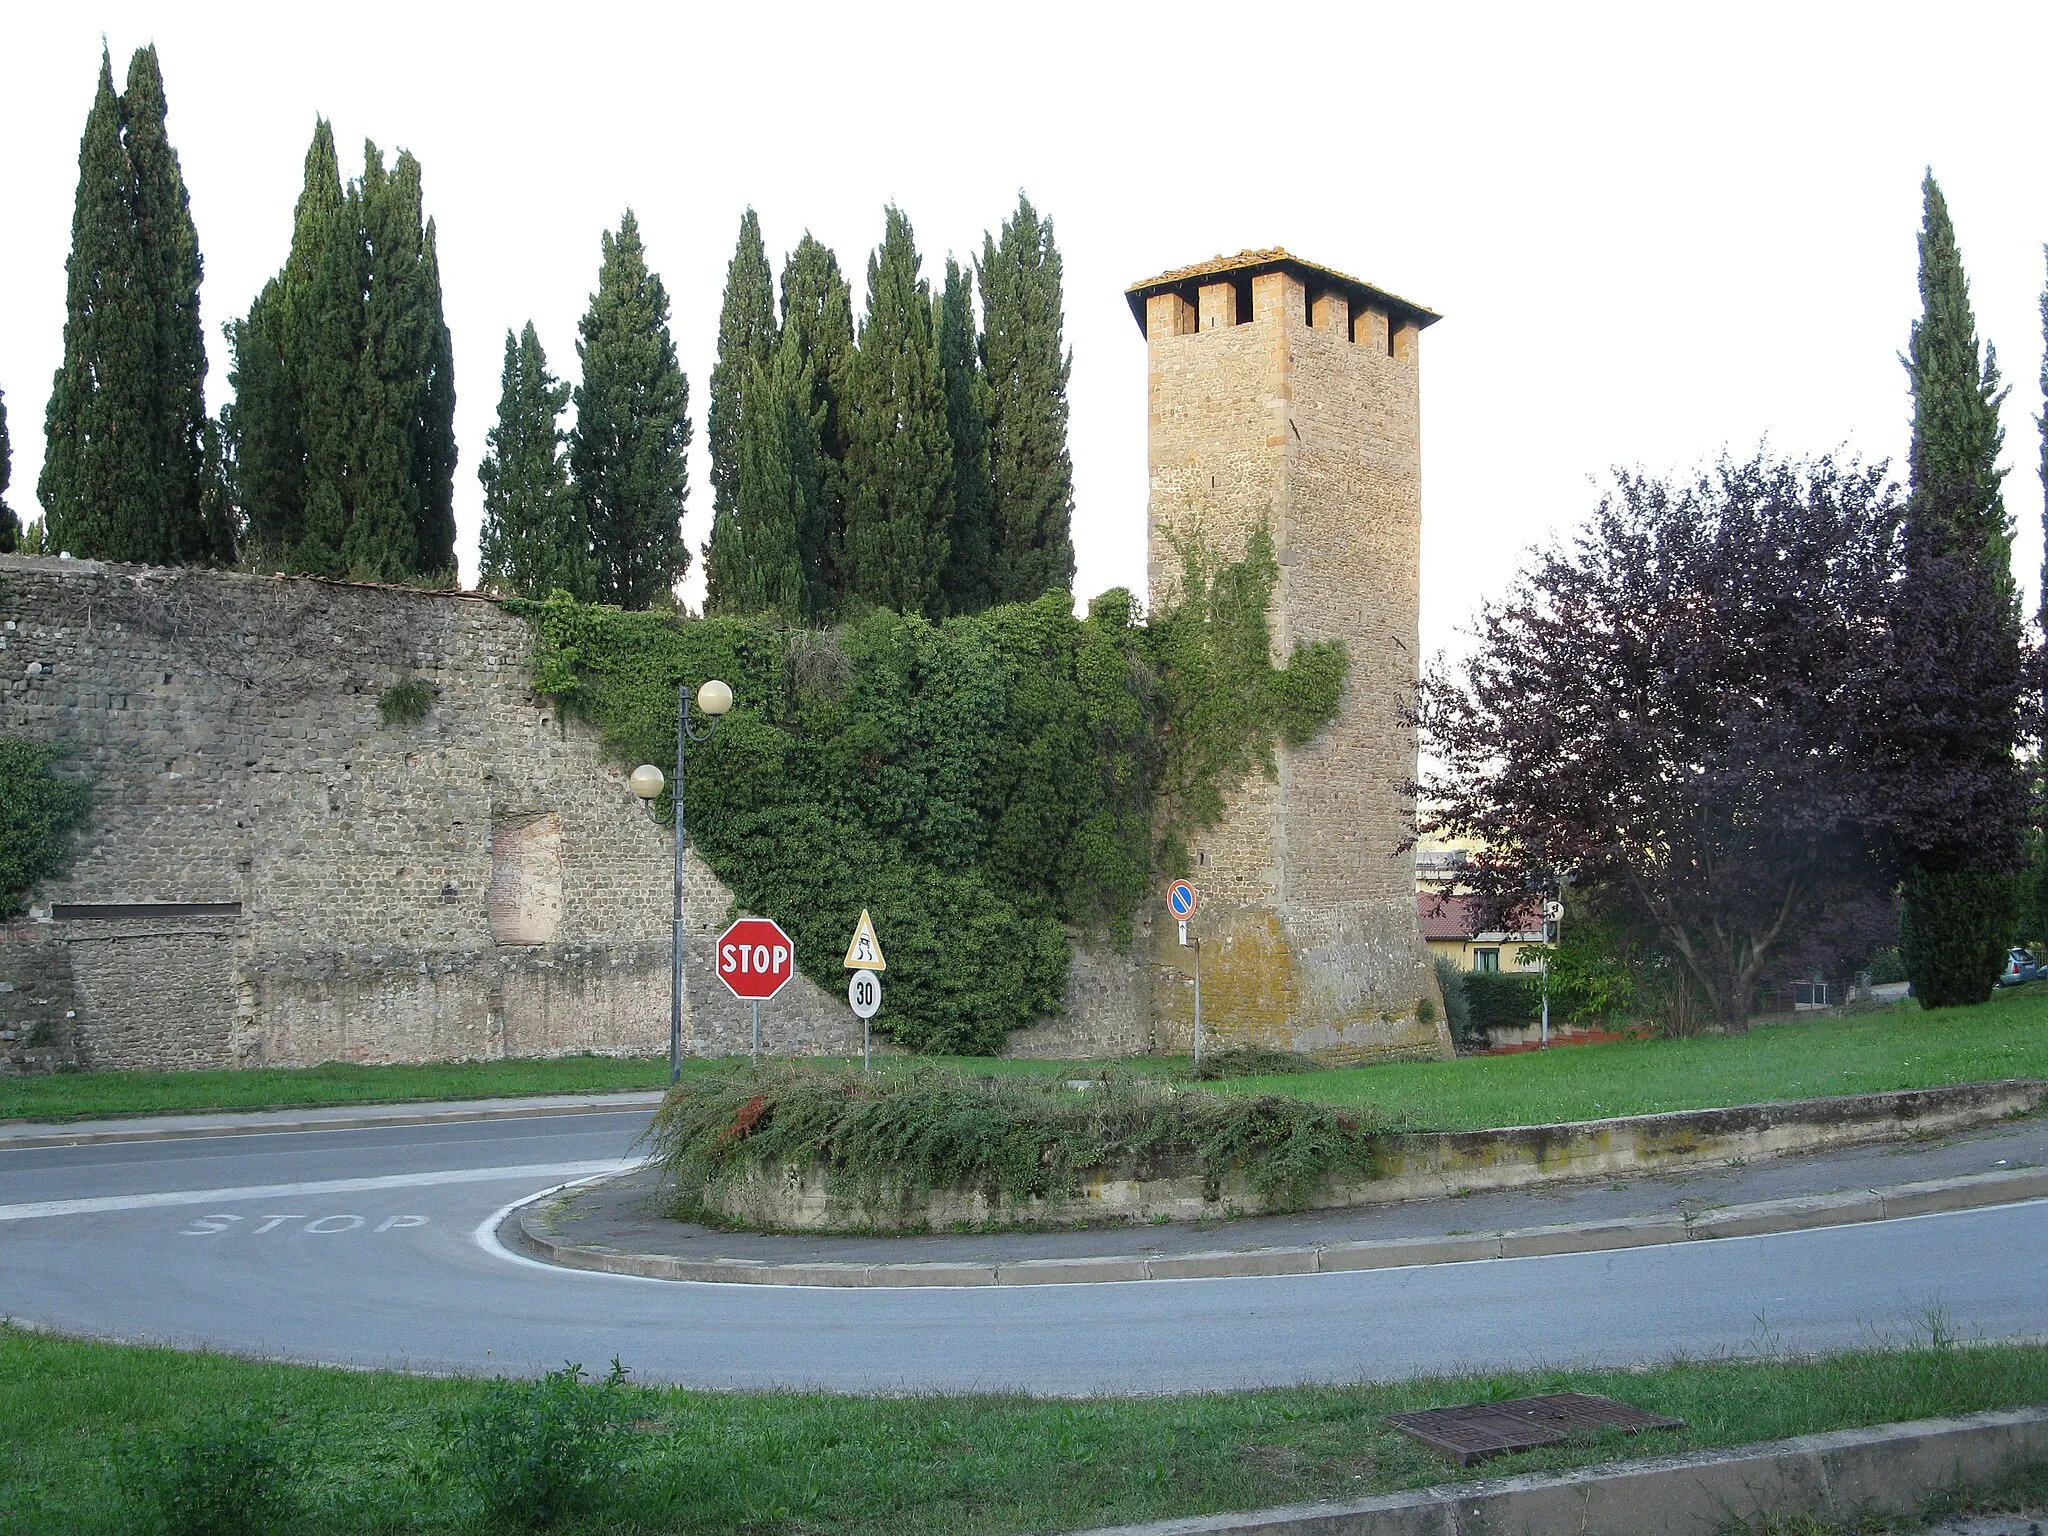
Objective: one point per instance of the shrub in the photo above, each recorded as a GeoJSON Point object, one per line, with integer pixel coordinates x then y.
{"type": "Point", "coordinates": [38, 810]}
{"type": "Point", "coordinates": [1886, 968]}
{"type": "Point", "coordinates": [1450, 981]}
{"type": "Point", "coordinates": [886, 1142]}
{"type": "Point", "coordinates": [1498, 999]}
{"type": "Point", "coordinates": [406, 703]}
{"type": "Point", "coordinates": [532, 1453]}
{"type": "Point", "coordinates": [226, 1476]}
{"type": "Point", "coordinates": [1250, 1061]}
{"type": "Point", "coordinates": [1954, 932]}
{"type": "Point", "coordinates": [978, 785]}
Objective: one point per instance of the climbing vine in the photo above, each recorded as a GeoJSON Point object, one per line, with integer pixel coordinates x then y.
{"type": "Point", "coordinates": [38, 809]}
{"type": "Point", "coordinates": [982, 785]}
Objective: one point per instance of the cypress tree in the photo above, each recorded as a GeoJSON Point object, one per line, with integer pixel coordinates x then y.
{"type": "Point", "coordinates": [627, 449]}
{"type": "Point", "coordinates": [817, 320]}
{"type": "Point", "coordinates": [754, 563]}
{"type": "Point", "coordinates": [172, 528]}
{"type": "Point", "coordinates": [340, 438]}
{"type": "Point", "coordinates": [264, 425]}
{"type": "Point", "coordinates": [216, 498]}
{"type": "Point", "coordinates": [127, 417]}
{"type": "Point", "coordinates": [433, 443]}
{"type": "Point", "coordinates": [10, 525]}
{"type": "Point", "coordinates": [899, 452]}
{"type": "Point", "coordinates": [533, 540]}
{"type": "Point", "coordinates": [2041, 421]}
{"type": "Point", "coordinates": [968, 583]}
{"type": "Point", "coordinates": [101, 478]}
{"type": "Point", "coordinates": [1026, 364]}
{"type": "Point", "coordinates": [381, 542]}
{"type": "Point", "coordinates": [1958, 654]}
{"type": "Point", "coordinates": [746, 339]}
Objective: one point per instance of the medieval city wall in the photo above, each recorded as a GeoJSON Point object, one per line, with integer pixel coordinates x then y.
{"type": "Point", "coordinates": [271, 876]}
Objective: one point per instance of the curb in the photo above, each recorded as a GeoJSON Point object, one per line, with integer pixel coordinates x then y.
{"type": "Point", "coordinates": [1927, 1197]}
{"type": "Point", "coordinates": [1845, 1475]}
{"type": "Point", "coordinates": [57, 1136]}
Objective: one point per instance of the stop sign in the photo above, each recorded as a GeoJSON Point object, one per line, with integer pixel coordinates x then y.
{"type": "Point", "coordinates": [755, 958]}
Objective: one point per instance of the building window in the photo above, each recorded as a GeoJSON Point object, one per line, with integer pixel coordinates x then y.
{"type": "Point", "coordinates": [1485, 959]}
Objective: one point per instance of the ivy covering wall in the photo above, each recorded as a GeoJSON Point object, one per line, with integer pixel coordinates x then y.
{"type": "Point", "coordinates": [38, 809]}
{"type": "Point", "coordinates": [983, 785]}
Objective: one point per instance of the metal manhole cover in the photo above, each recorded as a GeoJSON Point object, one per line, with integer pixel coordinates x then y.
{"type": "Point", "coordinates": [1475, 1431]}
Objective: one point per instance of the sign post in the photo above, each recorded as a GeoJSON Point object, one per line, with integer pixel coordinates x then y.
{"type": "Point", "coordinates": [864, 991]}
{"type": "Point", "coordinates": [1181, 901]}
{"type": "Point", "coordinates": [756, 960]}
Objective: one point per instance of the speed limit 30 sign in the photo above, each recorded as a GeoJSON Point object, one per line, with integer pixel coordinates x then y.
{"type": "Point", "coordinates": [756, 959]}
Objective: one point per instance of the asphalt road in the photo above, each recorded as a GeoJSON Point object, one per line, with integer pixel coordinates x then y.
{"type": "Point", "coordinates": [373, 1247]}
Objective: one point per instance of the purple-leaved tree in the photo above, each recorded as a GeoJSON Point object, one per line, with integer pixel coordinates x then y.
{"type": "Point", "coordinates": [1678, 707]}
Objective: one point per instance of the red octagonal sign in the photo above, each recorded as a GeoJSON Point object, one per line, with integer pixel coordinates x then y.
{"type": "Point", "coordinates": [755, 958]}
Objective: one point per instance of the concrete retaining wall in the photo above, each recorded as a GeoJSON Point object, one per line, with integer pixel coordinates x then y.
{"type": "Point", "coordinates": [1849, 1475]}
{"type": "Point", "coordinates": [1416, 1167]}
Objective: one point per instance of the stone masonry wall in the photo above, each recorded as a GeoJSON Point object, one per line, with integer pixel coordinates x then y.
{"type": "Point", "coordinates": [479, 884]}
{"type": "Point", "coordinates": [1301, 418]}
{"type": "Point", "coordinates": [230, 730]}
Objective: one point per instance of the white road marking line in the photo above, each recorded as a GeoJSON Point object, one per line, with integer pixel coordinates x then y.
{"type": "Point", "coordinates": [102, 1203]}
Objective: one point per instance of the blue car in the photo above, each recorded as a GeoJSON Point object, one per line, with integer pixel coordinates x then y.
{"type": "Point", "coordinates": [2019, 967]}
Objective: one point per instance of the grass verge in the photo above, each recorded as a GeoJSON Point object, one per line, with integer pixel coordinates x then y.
{"type": "Point", "coordinates": [1866, 1053]}
{"type": "Point", "coordinates": [83, 1095]}
{"type": "Point", "coordinates": [370, 1450]}
{"type": "Point", "coordinates": [1809, 1059]}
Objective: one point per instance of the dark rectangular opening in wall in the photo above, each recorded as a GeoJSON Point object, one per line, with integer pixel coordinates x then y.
{"type": "Point", "coordinates": [1243, 285]}
{"type": "Point", "coordinates": [128, 911]}
{"type": "Point", "coordinates": [1393, 325]}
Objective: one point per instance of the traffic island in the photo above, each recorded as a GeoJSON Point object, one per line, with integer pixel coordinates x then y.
{"type": "Point", "coordinates": [796, 1148]}
{"type": "Point", "coordinates": [622, 1225]}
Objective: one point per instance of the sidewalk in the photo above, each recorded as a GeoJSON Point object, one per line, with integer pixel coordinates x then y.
{"type": "Point", "coordinates": [337, 1117]}
{"type": "Point", "coordinates": [600, 1225]}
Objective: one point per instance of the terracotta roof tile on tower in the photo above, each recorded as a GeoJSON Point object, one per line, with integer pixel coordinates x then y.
{"type": "Point", "coordinates": [1315, 274]}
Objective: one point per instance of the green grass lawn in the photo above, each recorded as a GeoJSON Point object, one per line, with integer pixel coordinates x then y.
{"type": "Point", "coordinates": [1863, 1053]}
{"type": "Point", "coordinates": [370, 1448]}
{"type": "Point", "coordinates": [78, 1095]}
{"type": "Point", "coordinates": [1899, 1047]}
{"type": "Point", "coordinates": [70, 1095]}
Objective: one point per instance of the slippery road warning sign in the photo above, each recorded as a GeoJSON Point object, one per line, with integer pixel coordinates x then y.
{"type": "Point", "coordinates": [865, 952]}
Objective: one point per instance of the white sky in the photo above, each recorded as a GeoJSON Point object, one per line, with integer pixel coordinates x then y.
{"type": "Point", "coordinates": [1651, 232]}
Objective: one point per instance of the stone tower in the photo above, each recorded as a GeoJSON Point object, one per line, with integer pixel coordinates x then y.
{"type": "Point", "coordinates": [1284, 392]}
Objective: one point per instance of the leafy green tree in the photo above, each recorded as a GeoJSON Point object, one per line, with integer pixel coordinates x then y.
{"type": "Point", "coordinates": [746, 337]}
{"type": "Point", "coordinates": [817, 316]}
{"type": "Point", "coordinates": [899, 451]}
{"type": "Point", "coordinates": [10, 525]}
{"type": "Point", "coordinates": [534, 540]}
{"type": "Point", "coordinates": [969, 581]}
{"type": "Point", "coordinates": [1953, 795]}
{"type": "Point", "coordinates": [126, 419]}
{"type": "Point", "coordinates": [1026, 365]}
{"type": "Point", "coordinates": [626, 451]}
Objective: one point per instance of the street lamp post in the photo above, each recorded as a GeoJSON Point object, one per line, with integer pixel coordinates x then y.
{"type": "Point", "coordinates": [714, 699]}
